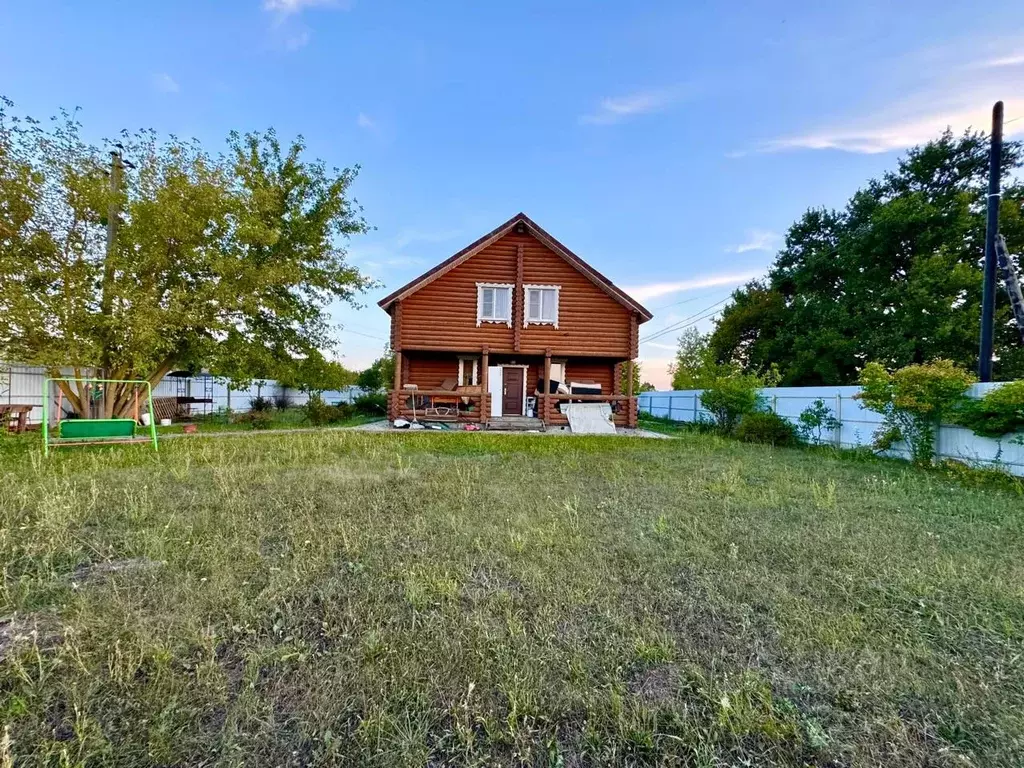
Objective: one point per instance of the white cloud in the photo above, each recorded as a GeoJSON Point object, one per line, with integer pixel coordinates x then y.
{"type": "Point", "coordinates": [365, 121]}
{"type": "Point", "coordinates": [887, 133]}
{"type": "Point", "coordinates": [757, 240]}
{"type": "Point", "coordinates": [1013, 60]}
{"type": "Point", "coordinates": [953, 97]}
{"type": "Point", "coordinates": [645, 102]}
{"type": "Point", "coordinates": [165, 83]}
{"type": "Point", "coordinates": [297, 6]}
{"type": "Point", "coordinates": [653, 290]}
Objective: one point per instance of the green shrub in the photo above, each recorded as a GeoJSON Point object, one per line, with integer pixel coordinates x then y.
{"type": "Point", "coordinates": [815, 420]}
{"type": "Point", "coordinates": [766, 427]}
{"type": "Point", "coordinates": [256, 419]}
{"type": "Point", "coordinates": [372, 404]}
{"type": "Point", "coordinates": [913, 402]}
{"type": "Point", "coordinates": [344, 411]}
{"type": "Point", "coordinates": [730, 398]}
{"type": "Point", "coordinates": [317, 412]}
{"type": "Point", "coordinates": [998, 413]}
{"type": "Point", "coordinates": [260, 404]}
{"type": "Point", "coordinates": [281, 403]}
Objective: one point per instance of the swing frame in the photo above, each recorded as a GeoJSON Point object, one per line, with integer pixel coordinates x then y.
{"type": "Point", "coordinates": [118, 431]}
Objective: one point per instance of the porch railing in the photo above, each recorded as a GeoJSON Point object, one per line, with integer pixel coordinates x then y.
{"type": "Point", "coordinates": [437, 405]}
{"type": "Point", "coordinates": [445, 405]}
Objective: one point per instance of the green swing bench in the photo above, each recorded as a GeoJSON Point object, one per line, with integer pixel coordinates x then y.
{"type": "Point", "coordinates": [97, 431]}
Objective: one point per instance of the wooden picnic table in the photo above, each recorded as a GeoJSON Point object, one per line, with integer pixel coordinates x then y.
{"type": "Point", "coordinates": [14, 416]}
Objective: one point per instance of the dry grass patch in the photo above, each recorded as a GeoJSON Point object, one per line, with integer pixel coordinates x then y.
{"type": "Point", "coordinates": [459, 599]}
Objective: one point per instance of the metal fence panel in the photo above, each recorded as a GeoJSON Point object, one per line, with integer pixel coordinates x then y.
{"type": "Point", "coordinates": [23, 384]}
{"type": "Point", "coordinates": [858, 423]}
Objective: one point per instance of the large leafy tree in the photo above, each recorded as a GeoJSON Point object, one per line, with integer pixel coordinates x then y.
{"type": "Point", "coordinates": [894, 277]}
{"type": "Point", "coordinates": [380, 375]}
{"type": "Point", "coordinates": [225, 261]}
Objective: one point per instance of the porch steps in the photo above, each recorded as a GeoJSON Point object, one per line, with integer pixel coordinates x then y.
{"type": "Point", "coordinates": [515, 424]}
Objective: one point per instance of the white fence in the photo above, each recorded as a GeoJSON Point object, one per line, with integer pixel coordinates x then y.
{"type": "Point", "coordinates": [23, 385]}
{"type": "Point", "coordinates": [858, 423]}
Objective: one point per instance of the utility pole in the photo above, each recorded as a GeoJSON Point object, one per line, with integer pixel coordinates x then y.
{"type": "Point", "coordinates": [988, 295]}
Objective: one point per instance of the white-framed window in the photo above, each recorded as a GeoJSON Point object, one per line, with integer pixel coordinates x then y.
{"type": "Point", "coordinates": [469, 371]}
{"type": "Point", "coordinates": [541, 305]}
{"type": "Point", "coordinates": [494, 303]}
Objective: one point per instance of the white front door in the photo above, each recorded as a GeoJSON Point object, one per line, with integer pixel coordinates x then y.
{"type": "Point", "coordinates": [495, 388]}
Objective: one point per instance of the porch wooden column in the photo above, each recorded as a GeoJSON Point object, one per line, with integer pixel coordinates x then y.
{"type": "Point", "coordinates": [395, 399]}
{"type": "Point", "coordinates": [630, 410]}
{"type": "Point", "coordinates": [634, 352]}
{"type": "Point", "coordinates": [485, 407]}
{"type": "Point", "coordinates": [547, 386]}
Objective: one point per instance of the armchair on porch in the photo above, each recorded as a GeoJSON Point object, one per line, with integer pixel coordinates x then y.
{"type": "Point", "coordinates": [443, 405]}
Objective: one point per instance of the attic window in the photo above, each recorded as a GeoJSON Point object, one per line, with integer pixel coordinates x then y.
{"type": "Point", "coordinates": [494, 303]}
{"type": "Point", "coordinates": [541, 305]}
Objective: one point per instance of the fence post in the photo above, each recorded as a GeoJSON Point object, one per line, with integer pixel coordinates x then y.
{"type": "Point", "coordinates": [671, 400]}
{"type": "Point", "coordinates": [775, 404]}
{"type": "Point", "coordinates": [839, 418]}
{"type": "Point", "coordinates": [695, 409]}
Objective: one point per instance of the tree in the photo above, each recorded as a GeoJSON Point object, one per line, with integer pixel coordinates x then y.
{"type": "Point", "coordinates": [895, 276]}
{"type": "Point", "coordinates": [380, 375]}
{"type": "Point", "coordinates": [695, 366]}
{"type": "Point", "coordinates": [315, 374]}
{"type": "Point", "coordinates": [226, 262]}
{"type": "Point", "coordinates": [913, 401]}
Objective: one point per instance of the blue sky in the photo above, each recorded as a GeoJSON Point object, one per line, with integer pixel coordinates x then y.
{"type": "Point", "coordinates": [669, 144]}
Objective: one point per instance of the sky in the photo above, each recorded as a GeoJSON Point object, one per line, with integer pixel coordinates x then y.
{"type": "Point", "coordinates": [668, 144]}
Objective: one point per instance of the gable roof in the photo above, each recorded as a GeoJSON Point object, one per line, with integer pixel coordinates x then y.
{"type": "Point", "coordinates": [492, 237]}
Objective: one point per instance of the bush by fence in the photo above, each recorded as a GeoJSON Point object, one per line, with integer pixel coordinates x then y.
{"type": "Point", "coordinates": [857, 423]}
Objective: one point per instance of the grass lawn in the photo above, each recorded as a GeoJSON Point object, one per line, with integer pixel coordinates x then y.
{"type": "Point", "coordinates": [290, 418]}
{"type": "Point", "coordinates": [464, 599]}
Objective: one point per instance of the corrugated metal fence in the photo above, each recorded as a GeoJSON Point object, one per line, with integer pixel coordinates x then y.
{"type": "Point", "coordinates": [23, 384]}
{"type": "Point", "coordinates": [858, 423]}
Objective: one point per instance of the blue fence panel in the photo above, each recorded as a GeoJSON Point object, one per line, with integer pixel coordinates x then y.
{"type": "Point", "coordinates": [858, 423]}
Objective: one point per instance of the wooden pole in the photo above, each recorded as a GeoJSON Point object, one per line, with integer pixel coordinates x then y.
{"type": "Point", "coordinates": [485, 359]}
{"type": "Point", "coordinates": [396, 394]}
{"type": "Point", "coordinates": [988, 297]}
{"type": "Point", "coordinates": [630, 415]}
{"type": "Point", "coordinates": [136, 408]}
{"type": "Point", "coordinates": [547, 386]}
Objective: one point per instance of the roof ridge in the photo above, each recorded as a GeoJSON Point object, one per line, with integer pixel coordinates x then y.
{"type": "Point", "coordinates": [496, 234]}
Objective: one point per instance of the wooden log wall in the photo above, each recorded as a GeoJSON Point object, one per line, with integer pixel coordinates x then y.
{"type": "Point", "coordinates": [442, 314]}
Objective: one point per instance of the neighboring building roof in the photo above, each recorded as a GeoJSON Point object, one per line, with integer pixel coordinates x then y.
{"type": "Point", "coordinates": [471, 250]}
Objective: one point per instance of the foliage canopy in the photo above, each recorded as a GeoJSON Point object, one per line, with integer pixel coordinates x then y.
{"type": "Point", "coordinates": [226, 262]}
{"type": "Point", "coordinates": [892, 277]}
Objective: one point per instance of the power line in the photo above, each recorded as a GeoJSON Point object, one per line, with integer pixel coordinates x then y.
{"type": "Point", "coordinates": [357, 333]}
{"type": "Point", "coordinates": [682, 327]}
{"type": "Point", "coordinates": [684, 301]}
{"type": "Point", "coordinates": [685, 321]}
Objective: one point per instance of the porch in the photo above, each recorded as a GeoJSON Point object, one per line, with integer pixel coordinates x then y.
{"type": "Point", "coordinates": [507, 391]}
